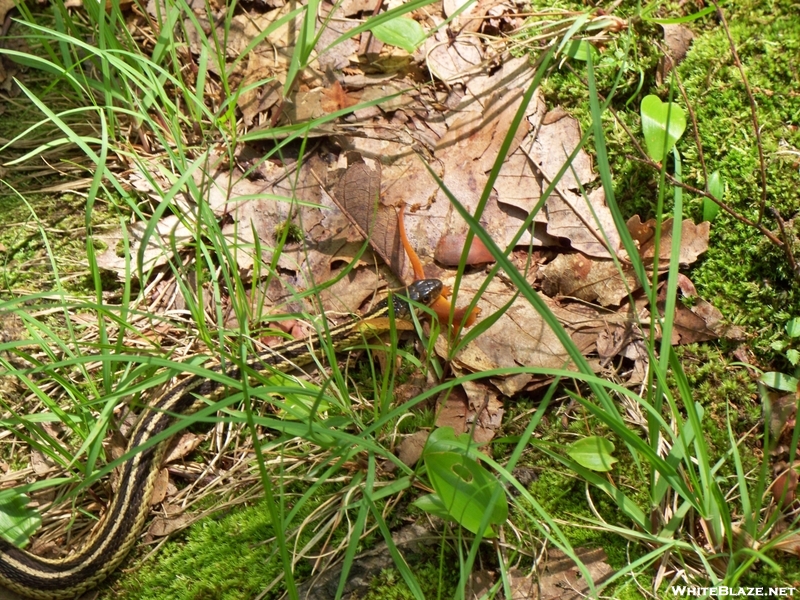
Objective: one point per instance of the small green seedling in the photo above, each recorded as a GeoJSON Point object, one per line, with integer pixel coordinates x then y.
{"type": "Point", "coordinates": [660, 120]}
{"type": "Point", "coordinates": [715, 187]}
{"type": "Point", "coordinates": [402, 32]}
{"type": "Point", "coordinates": [593, 453]}
{"type": "Point", "coordinates": [784, 381]}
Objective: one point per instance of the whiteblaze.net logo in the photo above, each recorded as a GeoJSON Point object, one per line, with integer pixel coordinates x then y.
{"type": "Point", "coordinates": [724, 591]}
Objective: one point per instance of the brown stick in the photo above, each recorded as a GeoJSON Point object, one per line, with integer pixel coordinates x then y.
{"type": "Point", "coordinates": [753, 112]}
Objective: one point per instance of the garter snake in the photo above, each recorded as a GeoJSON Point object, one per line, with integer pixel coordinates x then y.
{"type": "Point", "coordinates": [112, 539]}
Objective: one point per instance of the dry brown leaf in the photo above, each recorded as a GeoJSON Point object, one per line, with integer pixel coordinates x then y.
{"type": "Point", "coordinates": [410, 449]}
{"type": "Point", "coordinates": [485, 413]}
{"type": "Point", "coordinates": [558, 136]}
{"type": "Point", "coordinates": [566, 215]}
{"type": "Point", "coordinates": [518, 338]}
{"type": "Point", "coordinates": [451, 410]}
{"type": "Point", "coordinates": [336, 98]}
{"type": "Point", "coordinates": [789, 544]}
{"type": "Point", "coordinates": [523, 586]}
{"type": "Point", "coordinates": [479, 583]}
{"type": "Point", "coordinates": [782, 419]}
{"type": "Point", "coordinates": [699, 323]}
{"type": "Point", "coordinates": [351, 291]}
{"type": "Point", "coordinates": [784, 488]}
{"type": "Point", "coordinates": [337, 57]}
{"type": "Point", "coordinates": [174, 520]}
{"type": "Point", "coordinates": [473, 18]}
{"type": "Point", "coordinates": [694, 239]}
{"type": "Point", "coordinates": [467, 152]}
{"type": "Point", "coordinates": [473, 406]}
{"type": "Point", "coordinates": [350, 8]}
{"type": "Point", "coordinates": [586, 223]}
{"type": "Point", "coordinates": [160, 487]}
{"type": "Point", "coordinates": [453, 60]}
{"type": "Point", "coordinates": [503, 18]}
{"type": "Point", "coordinates": [561, 578]}
{"type": "Point", "coordinates": [370, 48]}
{"type": "Point", "coordinates": [180, 447]}
{"type": "Point", "coordinates": [307, 105]}
{"type": "Point", "coordinates": [358, 194]}
{"type": "Point", "coordinates": [677, 39]}
{"type": "Point", "coordinates": [606, 333]}
{"type": "Point", "coordinates": [393, 95]}
{"type": "Point", "coordinates": [588, 279]}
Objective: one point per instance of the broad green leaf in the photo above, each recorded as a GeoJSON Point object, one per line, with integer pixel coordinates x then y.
{"type": "Point", "coordinates": [793, 328]}
{"type": "Point", "coordinates": [579, 50]}
{"type": "Point", "coordinates": [793, 356]}
{"type": "Point", "coordinates": [304, 405]}
{"type": "Point", "coordinates": [716, 188]}
{"type": "Point", "coordinates": [444, 439]}
{"type": "Point", "coordinates": [778, 345]}
{"type": "Point", "coordinates": [17, 521]}
{"type": "Point", "coordinates": [402, 32]}
{"type": "Point", "coordinates": [432, 504]}
{"type": "Point", "coordinates": [464, 489]}
{"type": "Point", "coordinates": [656, 128]}
{"type": "Point", "coordinates": [593, 453]}
{"type": "Point", "coordinates": [780, 381]}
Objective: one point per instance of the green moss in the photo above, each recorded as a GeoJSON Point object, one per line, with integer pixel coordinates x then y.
{"type": "Point", "coordinates": [42, 231]}
{"type": "Point", "coordinates": [435, 581]}
{"type": "Point", "coordinates": [220, 558]}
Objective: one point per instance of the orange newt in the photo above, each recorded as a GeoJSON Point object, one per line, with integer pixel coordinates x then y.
{"type": "Point", "coordinates": [442, 306]}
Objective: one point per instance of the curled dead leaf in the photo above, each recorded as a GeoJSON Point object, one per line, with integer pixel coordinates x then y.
{"type": "Point", "coordinates": [450, 247]}
{"type": "Point", "coordinates": [694, 239]}
{"type": "Point", "coordinates": [585, 278]}
{"type": "Point", "coordinates": [182, 446]}
{"type": "Point", "coordinates": [784, 488]}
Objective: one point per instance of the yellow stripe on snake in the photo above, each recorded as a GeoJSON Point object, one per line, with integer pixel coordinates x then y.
{"type": "Point", "coordinates": [52, 579]}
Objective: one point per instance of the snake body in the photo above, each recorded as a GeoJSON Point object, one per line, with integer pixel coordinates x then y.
{"type": "Point", "coordinates": [59, 579]}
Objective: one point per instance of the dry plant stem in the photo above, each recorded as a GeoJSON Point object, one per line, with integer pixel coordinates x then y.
{"type": "Point", "coordinates": [753, 112]}
{"type": "Point", "coordinates": [695, 128]}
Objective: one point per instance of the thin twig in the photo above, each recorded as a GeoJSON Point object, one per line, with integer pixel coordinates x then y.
{"type": "Point", "coordinates": [753, 112]}
{"type": "Point", "coordinates": [763, 230]}
{"type": "Point", "coordinates": [695, 128]}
